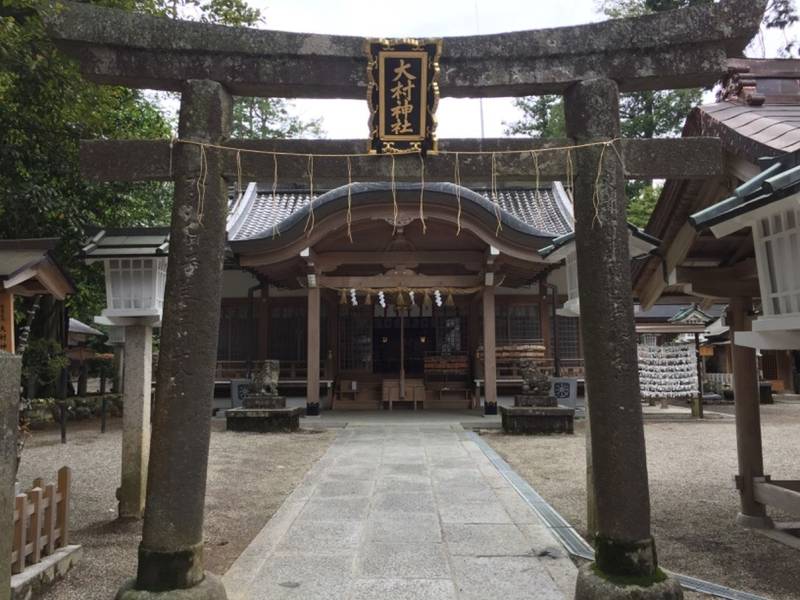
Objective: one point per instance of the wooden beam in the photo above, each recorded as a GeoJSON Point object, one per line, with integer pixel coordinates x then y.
{"type": "Point", "coordinates": [783, 495]}
{"type": "Point", "coordinates": [400, 281]}
{"type": "Point", "coordinates": [720, 282]}
{"type": "Point", "coordinates": [682, 48]}
{"type": "Point", "coordinates": [143, 160]}
{"type": "Point", "coordinates": [328, 261]}
{"type": "Point", "coordinates": [676, 252]}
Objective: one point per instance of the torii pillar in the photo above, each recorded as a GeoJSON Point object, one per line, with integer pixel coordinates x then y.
{"type": "Point", "coordinates": [625, 549]}
{"type": "Point", "coordinates": [171, 551]}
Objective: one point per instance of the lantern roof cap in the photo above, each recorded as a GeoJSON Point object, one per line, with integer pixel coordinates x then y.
{"type": "Point", "coordinates": [779, 177]}
{"type": "Point", "coordinates": [128, 242]}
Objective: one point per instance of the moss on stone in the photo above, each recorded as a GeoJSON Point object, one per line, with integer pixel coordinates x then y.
{"type": "Point", "coordinates": [625, 580]}
{"type": "Point", "coordinates": [626, 559]}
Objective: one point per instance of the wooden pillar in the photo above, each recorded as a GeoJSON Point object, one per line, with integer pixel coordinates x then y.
{"type": "Point", "coordinates": [171, 552]}
{"type": "Point", "coordinates": [7, 322]}
{"type": "Point", "coordinates": [489, 353]}
{"type": "Point", "coordinates": [544, 320]}
{"type": "Point", "coordinates": [401, 311]}
{"type": "Point", "coordinates": [312, 352]}
{"type": "Point", "coordinates": [623, 541]}
{"type": "Point", "coordinates": [748, 419]}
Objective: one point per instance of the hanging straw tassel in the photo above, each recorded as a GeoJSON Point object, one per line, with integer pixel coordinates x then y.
{"type": "Point", "coordinates": [450, 300]}
{"type": "Point", "coordinates": [422, 193]}
{"type": "Point", "coordinates": [368, 299]}
{"type": "Point", "coordinates": [349, 199]}
{"type": "Point", "coordinates": [426, 299]}
{"type": "Point", "coordinates": [342, 296]}
{"type": "Point", "coordinates": [495, 198]}
{"type": "Point", "coordinates": [394, 200]}
{"type": "Point", "coordinates": [311, 217]}
{"type": "Point", "coordinates": [401, 300]}
{"type": "Point", "coordinates": [595, 191]}
{"type": "Point", "coordinates": [201, 183]}
{"type": "Point", "coordinates": [275, 230]}
{"type": "Point", "coordinates": [457, 182]}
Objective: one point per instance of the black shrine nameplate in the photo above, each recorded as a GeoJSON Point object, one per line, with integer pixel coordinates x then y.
{"type": "Point", "coordinates": [403, 92]}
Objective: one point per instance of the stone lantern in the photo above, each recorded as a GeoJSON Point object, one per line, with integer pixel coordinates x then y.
{"type": "Point", "coordinates": [135, 263]}
{"type": "Point", "coordinates": [563, 248]}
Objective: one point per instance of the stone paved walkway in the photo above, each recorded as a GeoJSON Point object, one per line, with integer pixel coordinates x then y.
{"type": "Point", "coordinates": [403, 512]}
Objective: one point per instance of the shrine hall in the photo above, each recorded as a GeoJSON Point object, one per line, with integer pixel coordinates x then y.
{"type": "Point", "coordinates": [398, 294]}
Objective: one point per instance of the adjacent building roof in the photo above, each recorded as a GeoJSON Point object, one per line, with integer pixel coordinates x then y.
{"type": "Point", "coordinates": [133, 242]}
{"type": "Point", "coordinates": [757, 118]}
{"type": "Point", "coordinates": [560, 242]}
{"type": "Point", "coordinates": [780, 178]}
{"type": "Point", "coordinates": [543, 211]}
{"type": "Point", "coordinates": [29, 267]}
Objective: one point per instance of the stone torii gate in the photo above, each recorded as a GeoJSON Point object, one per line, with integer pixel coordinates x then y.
{"type": "Point", "coordinates": [589, 65]}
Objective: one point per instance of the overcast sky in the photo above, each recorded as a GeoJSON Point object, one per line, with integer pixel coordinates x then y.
{"type": "Point", "coordinates": [420, 18]}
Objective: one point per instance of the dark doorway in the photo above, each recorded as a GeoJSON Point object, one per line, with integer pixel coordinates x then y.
{"type": "Point", "coordinates": [420, 338]}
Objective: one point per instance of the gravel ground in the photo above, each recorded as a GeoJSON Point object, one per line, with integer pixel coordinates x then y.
{"type": "Point", "coordinates": [694, 504]}
{"type": "Point", "coordinates": [249, 476]}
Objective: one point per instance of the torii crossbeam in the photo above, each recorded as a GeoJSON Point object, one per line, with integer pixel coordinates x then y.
{"type": "Point", "coordinates": [589, 65]}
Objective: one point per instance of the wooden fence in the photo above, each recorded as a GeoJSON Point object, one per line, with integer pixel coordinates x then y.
{"type": "Point", "coordinates": [41, 521]}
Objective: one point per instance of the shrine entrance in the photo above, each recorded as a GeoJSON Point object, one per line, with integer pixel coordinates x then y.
{"type": "Point", "coordinates": [589, 65]}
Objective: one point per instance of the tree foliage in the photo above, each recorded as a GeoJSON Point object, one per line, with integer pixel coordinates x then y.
{"type": "Point", "coordinates": [46, 108]}
{"type": "Point", "coordinates": [646, 114]}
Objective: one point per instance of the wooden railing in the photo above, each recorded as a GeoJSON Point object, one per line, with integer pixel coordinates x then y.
{"type": "Point", "coordinates": [41, 521]}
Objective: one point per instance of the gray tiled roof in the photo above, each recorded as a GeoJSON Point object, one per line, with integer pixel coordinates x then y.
{"type": "Point", "coordinates": [540, 208]}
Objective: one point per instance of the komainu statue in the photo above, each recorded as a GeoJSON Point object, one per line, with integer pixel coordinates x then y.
{"type": "Point", "coordinates": [535, 386]}
{"type": "Point", "coordinates": [265, 379]}
{"type": "Point", "coordinates": [263, 390]}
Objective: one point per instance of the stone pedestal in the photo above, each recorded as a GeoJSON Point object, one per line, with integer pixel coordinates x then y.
{"type": "Point", "coordinates": [10, 369]}
{"type": "Point", "coordinates": [534, 400]}
{"type": "Point", "coordinates": [263, 420]}
{"type": "Point", "coordinates": [591, 586]}
{"type": "Point", "coordinates": [534, 420]}
{"type": "Point", "coordinates": [210, 588]}
{"type": "Point", "coordinates": [261, 401]}
{"type": "Point", "coordinates": [138, 357]}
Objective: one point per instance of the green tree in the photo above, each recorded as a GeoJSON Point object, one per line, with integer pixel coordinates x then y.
{"type": "Point", "coordinates": [263, 118]}
{"type": "Point", "coordinates": [46, 108]}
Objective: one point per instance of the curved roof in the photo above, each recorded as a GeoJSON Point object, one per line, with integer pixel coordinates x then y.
{"type": "Point", "coordinates": [543, 212]}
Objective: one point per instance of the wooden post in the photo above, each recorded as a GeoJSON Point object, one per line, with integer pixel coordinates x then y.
{"type": "Point", "coordinates": [50, 517]}
{"type": "Point", "coordinates": [489, 353]}
{"type": "Point", "coordinates": [748, 420]}
{"type": "Point", "coordinates": [7, 322]}
{"type": "Point", "coordinates": [62, 510]}
{"type": "Point", "coordinates": [697, 402]}
{"type": "Point", "coordinates": [544, 322]}
{"type": "Point", "coordinates": [402, 355]}
{"type": "Point", "coordinates": [20, 539]}
{"type": "Point", "coordinates": [312, 352]}
{"type": "Point", "coordinates": [35, 498]}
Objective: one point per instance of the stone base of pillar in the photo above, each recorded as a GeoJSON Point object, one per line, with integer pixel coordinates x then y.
{"type": "Point", "coordinates": [312, 409]}
{"type": "Point", "coordinates": [593, 585]}
{"type": "Point", "coordinates": [210, 588]}
{"type": "Point", "coordinates": [489, 408]}
{"type": "Point", "coordinates": [754, 521]}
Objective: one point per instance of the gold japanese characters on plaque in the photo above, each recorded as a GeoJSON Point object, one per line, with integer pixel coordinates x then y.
{"type": "Point", "coordinates": [403, 92]}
